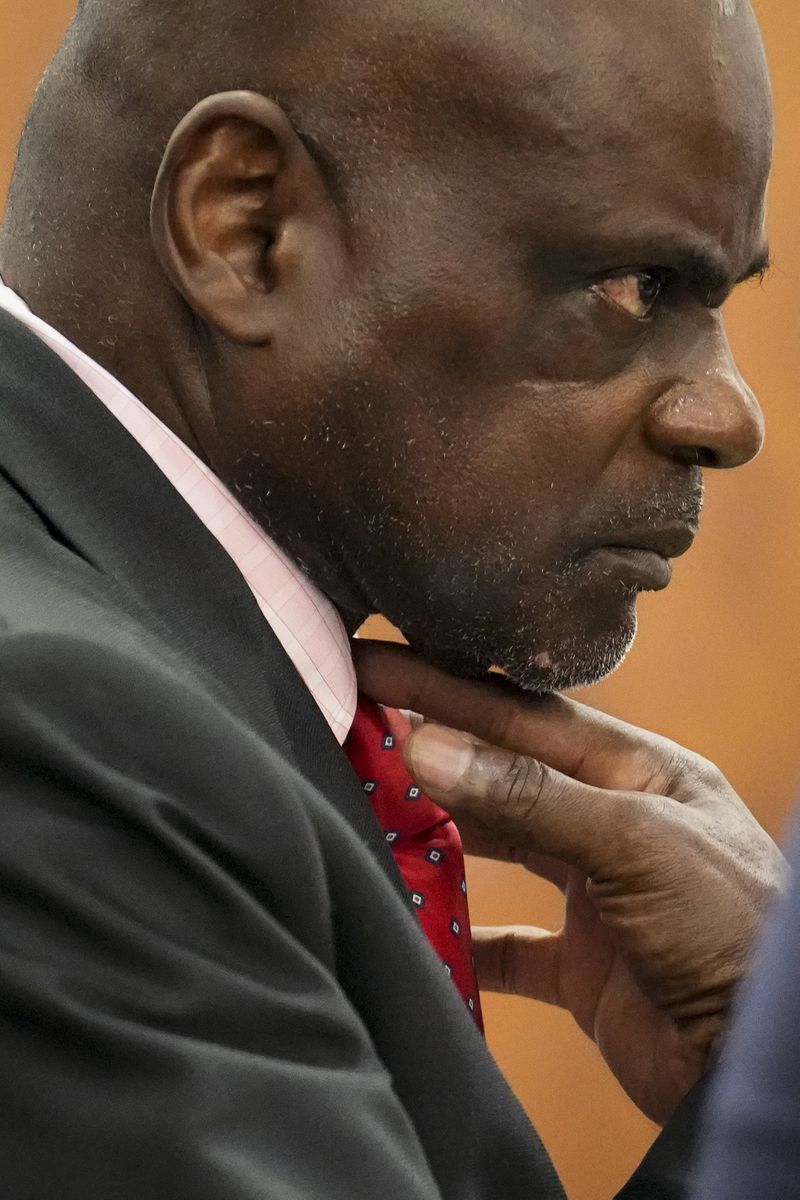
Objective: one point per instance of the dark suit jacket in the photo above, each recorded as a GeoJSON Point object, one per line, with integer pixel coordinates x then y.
{"type": "Point", "coordinates": [212, 986]}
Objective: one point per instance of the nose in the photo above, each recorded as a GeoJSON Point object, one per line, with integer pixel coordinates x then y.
{"type": "Point", "coordinates": [706, 414]}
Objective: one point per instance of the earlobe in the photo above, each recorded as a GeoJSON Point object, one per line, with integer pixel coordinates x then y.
{"type": "Point", "coordinates": [233, 180]}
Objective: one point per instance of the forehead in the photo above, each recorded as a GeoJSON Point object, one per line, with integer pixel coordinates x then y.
{"type": "Point", "coordinates": [601, 113]}
{"type": "Point", "coordinates": [611, 65]}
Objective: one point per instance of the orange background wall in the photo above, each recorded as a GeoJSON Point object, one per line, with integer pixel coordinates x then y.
{"type": "Point", "coordinates": [717, 664]}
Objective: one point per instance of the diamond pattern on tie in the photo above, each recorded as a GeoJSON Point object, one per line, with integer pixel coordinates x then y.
{"type": "Point", "coordinates": [424, 841]}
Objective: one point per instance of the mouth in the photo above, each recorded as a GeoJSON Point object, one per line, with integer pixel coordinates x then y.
{"type": "Point", "coordinates": [642, 559]}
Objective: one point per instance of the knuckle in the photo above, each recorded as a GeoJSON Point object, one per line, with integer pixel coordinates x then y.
{"type": "Point", "coordinates": [708, 774]}
{"type": "Point", "coordinates": [691, 774]}
{"type": "Point", "coordinates": [522, 784]}
{"type": "Point", "coordinates": [671, 770]}
{"type": "Point", "coordinates": [506, 960]}
{"type": "Point", "coordinates": [674, 767]}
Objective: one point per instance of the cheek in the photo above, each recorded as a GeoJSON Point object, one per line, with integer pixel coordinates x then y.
{"type": "Point", "coordinates": [579, 339]}
{"type": "Point", "coordinates": [477, 422]}
{"type": "Point", "coordinates": [514, 473]}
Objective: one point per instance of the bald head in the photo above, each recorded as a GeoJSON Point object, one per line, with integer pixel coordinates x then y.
{"type": "Point", "coordinates": [433, 285]}
{"type": "Point", "coordinates": [365, 82]}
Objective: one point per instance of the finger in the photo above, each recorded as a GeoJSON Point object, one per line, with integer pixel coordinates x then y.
{"type": "Point", "coordinates": [520, 806]}
{"type": "Point", "coordinates": [519, 961]}
{"type": "Point", "coordinates": [571, 737]}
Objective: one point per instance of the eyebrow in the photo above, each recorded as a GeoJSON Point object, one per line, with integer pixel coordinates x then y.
{"type": "Point", "coordinates": [707, 273]}
{"type": "Point", "coordinates": [700, 266]}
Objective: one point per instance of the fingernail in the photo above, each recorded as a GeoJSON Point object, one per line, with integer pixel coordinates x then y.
{"type": "Point", "coordinates": [438, 757]}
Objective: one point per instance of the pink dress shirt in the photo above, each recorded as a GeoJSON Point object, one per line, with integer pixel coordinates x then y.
{"type": "Point", "coordinates": [304, 621]}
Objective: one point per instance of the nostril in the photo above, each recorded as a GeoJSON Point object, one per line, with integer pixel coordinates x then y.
{"type": "Point", "coordinates": [699, 456]}
{"type": "Point", "coordinates": [706, 457]}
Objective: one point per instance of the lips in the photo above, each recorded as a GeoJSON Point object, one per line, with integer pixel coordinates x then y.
{"type": "Point", "coordinates": [670, 541]}
{"type": "Point", "coordinates": [642, 559]}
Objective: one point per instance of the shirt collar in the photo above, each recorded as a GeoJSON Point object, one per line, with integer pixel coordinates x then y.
{"type": "Point", "coordinates": [303, 619]}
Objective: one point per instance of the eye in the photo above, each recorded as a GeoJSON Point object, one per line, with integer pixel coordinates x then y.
{"type": "Point", "coordinates": [635, 293]}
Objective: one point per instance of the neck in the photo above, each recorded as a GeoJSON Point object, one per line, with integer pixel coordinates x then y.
{"type": "Point", "coordinates": [158, 359]}
{"type": "Point", "coordinates": [165, 383]}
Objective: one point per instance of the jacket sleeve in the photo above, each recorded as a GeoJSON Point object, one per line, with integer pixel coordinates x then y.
{"type": "Point", "coordinates": [170, 1020]}
{"type": "Point", "coordinates": [668, 1171]}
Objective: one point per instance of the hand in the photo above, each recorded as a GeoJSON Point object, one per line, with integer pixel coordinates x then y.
{"type": "Point", "coordinates": [666, 873]}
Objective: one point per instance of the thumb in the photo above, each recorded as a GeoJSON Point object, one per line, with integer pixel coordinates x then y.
{"type": "Point", "coordinates": [521, 806]}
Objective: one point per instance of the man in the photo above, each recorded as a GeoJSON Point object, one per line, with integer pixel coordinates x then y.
{"type": "Point", "coordinates": [434, 292]}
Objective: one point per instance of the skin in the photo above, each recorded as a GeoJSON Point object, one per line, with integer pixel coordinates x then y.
{"type": "Point", "coordinates": [627, 825]}
{"type": "Point", "coordinates": [462, 330]}
{"type": "Point", "coordinates": [437, 293]}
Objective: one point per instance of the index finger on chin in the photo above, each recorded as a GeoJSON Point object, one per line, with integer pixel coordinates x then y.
{"type": "Point", "coordinates": [570, 737]}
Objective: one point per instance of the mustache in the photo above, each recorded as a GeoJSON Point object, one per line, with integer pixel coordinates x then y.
{"type": "Point", "coordinates": [665, 505]}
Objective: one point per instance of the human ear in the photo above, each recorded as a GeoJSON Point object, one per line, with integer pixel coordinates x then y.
{"type": "Point", "coordinates": [241, 219]}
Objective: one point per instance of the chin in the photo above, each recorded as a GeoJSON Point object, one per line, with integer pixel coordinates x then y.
{"type": "Point", "coordinates": [565, 674]}
{"type": "Point", "coordinates": [570, 662]}
{"type": "Point", "coordinates": [576, 661]}
{"type": "Point", "coordinates": [571, 637]}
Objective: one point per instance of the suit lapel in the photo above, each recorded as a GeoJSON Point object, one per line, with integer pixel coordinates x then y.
{"type": "Point", "coordinates": [107, 500]}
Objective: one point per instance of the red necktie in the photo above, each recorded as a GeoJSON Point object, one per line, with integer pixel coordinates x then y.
{"type": "Point", "coordinates": [424, 840]}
